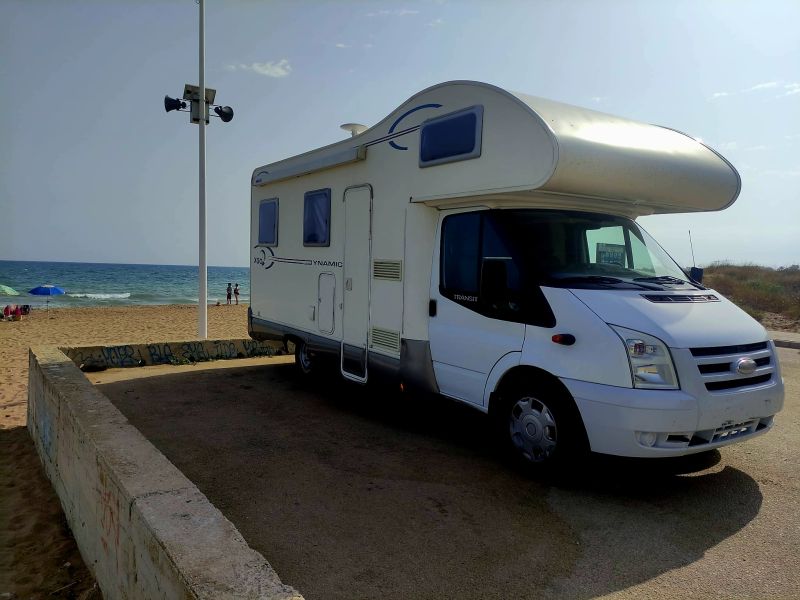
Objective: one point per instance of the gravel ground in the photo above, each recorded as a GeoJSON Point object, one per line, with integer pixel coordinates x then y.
{"type": "Point", "coordinates": [362, 493]}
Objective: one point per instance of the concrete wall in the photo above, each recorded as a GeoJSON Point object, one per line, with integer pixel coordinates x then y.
{"type": "Point", "coordinates": [166, 353]}
{"type": "Point", "coordinates": [142, 527]}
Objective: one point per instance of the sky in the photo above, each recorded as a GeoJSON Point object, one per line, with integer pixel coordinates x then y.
{"type": "Point", "coordinates": [92, 169]}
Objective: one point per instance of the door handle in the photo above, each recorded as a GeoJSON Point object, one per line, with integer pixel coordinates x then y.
{"type": "Point", "coordinates": [431, 308]}
{"type": "Point", "coordinates": [348, 284]}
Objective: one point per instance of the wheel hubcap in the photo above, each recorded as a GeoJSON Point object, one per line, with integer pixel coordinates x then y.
{"type": "Point", "coordinates": [533, 429]}
{"type": "Point", "coordinates": [302, 355]}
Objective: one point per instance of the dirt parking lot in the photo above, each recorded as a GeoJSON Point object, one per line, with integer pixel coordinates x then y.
{"type": "Point", "coordinates": [357, 492]}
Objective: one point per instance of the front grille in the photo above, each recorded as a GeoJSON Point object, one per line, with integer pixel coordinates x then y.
{"type": "Point", "coordinates": [732, 431]}
{"type": "Point", "coordinates": [718, 350]}
{"type": "Point", "coordinates": [722, 434]}
{"type": "Point", "coordinates": [727, 366]}
{"type": "Point", "coordinates": [729, 432]}
{"type": "Point", "coordinates": [715, 386]}
{"type": "Point", "coordinates": [717, 366]}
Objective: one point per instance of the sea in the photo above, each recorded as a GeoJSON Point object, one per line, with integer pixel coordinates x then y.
{"type": "Point", "coordinates": [105, 284]}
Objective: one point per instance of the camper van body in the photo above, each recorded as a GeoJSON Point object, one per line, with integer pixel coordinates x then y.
{"type": "Point", "coordinates": [369, 250]}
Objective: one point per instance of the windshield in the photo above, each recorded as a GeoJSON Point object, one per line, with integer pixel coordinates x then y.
{"type": "Point", "coordinates": [585, 250]}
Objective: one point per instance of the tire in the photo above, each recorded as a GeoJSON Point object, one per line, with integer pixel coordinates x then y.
{"type": "Point", "coordinates": [540, 427]}
{"type": "Point", "coordinates": [303, 359]}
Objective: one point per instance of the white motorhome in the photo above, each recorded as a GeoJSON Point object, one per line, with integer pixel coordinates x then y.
{"type": "Point", "coordinates": [482, 244]}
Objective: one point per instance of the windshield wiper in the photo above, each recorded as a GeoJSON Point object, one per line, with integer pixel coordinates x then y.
{"type": "Point", "coordinates": [668, 279]}
{"type": "Point", "coordinates": [592, 278]}
{"type": "Point", "coordinates": [603, 280]}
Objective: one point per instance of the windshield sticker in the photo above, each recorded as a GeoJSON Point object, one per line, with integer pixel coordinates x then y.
{"type": "Point", "coordinates": [611, 254]}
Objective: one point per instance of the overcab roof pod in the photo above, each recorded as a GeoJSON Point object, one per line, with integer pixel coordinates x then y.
{"type": "Point", "coordinates": [653, 167]}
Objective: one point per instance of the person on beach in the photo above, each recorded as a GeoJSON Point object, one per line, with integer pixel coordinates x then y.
{"type": "Point", "coordinates": [228, 291]}
{"type": "Point", "coordinates": [236, 293]}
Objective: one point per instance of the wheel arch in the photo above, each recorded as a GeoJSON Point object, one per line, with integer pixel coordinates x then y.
{"type": "Point", "coordinates": [290, 339]}
{"type": "Point", "coordinates": [530, 377]}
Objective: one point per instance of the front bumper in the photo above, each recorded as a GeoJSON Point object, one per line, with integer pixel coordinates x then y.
{"type": "Point", "coordinates": [660, 423]}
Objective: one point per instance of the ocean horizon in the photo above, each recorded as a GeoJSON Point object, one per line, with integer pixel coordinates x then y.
{"type": "Point", "coordinates": [117, 284]}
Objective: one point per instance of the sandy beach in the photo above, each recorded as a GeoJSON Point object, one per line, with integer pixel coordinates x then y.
{"type": "Point", "coordinates": [38, 557]}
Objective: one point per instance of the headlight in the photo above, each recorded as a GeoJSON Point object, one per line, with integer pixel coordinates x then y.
{"type": "Point", "coordinates": [650, 361]}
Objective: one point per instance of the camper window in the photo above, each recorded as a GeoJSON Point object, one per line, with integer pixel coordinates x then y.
{"type": "Point", "coordinates": [268, 222]}
{"type": "Point", "coordinates": [317, 218]}
{"type": "Point", "coordinates": [452, 137]}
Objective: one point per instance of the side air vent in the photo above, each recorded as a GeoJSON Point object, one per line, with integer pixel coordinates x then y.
{"type": "Point", "coordinates": [694, 298]}
{"type": "Point", "coordinates": [388, 270]}
{"type": "Point", "coordinates": [384, 338]}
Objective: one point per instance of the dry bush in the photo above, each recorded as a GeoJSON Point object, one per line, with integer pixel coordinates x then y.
{"type": "Point", "coordinates": [758, 289]}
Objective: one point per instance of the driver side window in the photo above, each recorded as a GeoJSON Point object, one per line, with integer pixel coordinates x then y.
{"type": "Point", "coordinates": [481, 271]}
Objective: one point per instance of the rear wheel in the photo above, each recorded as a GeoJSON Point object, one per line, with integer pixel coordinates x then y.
{"type": "Point", "coordinates": [303, 360]}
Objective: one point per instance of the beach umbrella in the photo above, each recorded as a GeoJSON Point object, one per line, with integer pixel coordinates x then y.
{"type": "Point", "coordinates": [46, 290]}
{"type": "Point", "coordinates": [7, 291]}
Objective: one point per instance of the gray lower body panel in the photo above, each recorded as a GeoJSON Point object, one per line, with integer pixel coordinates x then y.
{"type": "Point", "coordinates": [414, 369]}
{"type": "Point", "coordinates": [416, 366]}
{"type": "Point", "coordinates": [260, 329]}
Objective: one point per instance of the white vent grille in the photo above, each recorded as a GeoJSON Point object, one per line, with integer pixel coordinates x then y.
{"type": "Point", "coordinates": [389, 270]}
{"type": "Point", "coordinates": [385, 338]}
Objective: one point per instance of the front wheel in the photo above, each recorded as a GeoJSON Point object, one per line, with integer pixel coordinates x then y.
{"type": "Point", "coordinates": [541, 428]}
{"type": "Point", "coordinates": [533, 429]}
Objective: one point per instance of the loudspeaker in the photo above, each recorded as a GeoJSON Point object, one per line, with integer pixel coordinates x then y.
{"type": "Point", "coordinates": [224, 112]}
{"type": "Point", "coordinates": [173, 104]}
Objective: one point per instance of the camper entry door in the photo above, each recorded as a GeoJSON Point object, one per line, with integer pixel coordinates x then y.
{"type": "Point", "coordinates": [356, 294]}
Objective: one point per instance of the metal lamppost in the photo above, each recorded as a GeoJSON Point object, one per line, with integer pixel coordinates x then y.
{"type": "Point", "coordinates": [200, 98]}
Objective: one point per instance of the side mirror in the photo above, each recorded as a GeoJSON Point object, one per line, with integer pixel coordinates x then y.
{"type": "Point", "coordinates": [696, 274]}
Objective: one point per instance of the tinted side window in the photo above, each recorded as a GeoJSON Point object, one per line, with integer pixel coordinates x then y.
{"type": "Point", "coordinates": [317, 218]}
{"type": "Point", "coordinates": [452, 137]}
{"type": "Point", "coordinates": [482, 270]}
{"type": "Point", "coordinates": [496, 248]}
{"type": "Point", "coordinates": [268, 222]}
{"type": "Point", "coordinates": [460, 251]}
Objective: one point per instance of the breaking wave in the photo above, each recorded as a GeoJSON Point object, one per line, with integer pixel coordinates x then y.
{"type": "Point", "coordinates": [102, 296]}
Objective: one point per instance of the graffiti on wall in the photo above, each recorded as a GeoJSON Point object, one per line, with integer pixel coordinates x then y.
{"type": "Point", "coordinates": [167, 353]}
